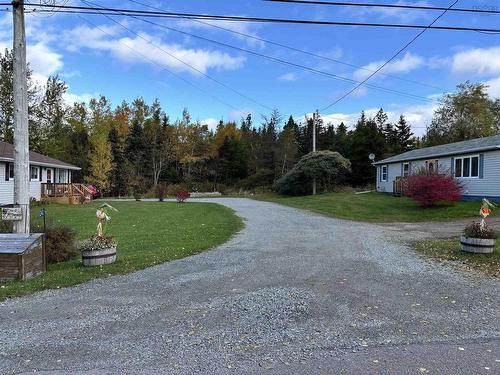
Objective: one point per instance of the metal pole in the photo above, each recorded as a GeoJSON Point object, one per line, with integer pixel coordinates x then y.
{"type": "Point", "coordinates": [314, 146]}
{"type": "Point", "coordinates": [21, 140]}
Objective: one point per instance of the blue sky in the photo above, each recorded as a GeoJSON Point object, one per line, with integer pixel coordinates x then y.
{"type": "Point", "coordinates": [97, 56]}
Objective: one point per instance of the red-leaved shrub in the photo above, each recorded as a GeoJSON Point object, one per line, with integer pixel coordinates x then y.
{"type": "Point", "coordinates": [182, 195]}
{"type": "Point", "coordinates": [429, 189]}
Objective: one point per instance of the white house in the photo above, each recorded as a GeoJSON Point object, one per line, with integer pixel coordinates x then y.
{"type": "Point", "coordinates": [43, 170]}
{"type": "Point", "coordinates": [476, 163]}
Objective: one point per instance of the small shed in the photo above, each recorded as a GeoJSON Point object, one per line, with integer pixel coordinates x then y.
{"type": "Point", "coordinates": [22, 256]}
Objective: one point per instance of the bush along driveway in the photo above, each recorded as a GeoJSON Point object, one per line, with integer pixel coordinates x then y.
{"type": "Point", "coordinates": [293, 292]}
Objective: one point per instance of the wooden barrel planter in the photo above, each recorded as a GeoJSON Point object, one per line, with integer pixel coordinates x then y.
{"type": "Point", "coordinates": [99, 257]}
{"type": "Point", "coordinates": [477, 245]}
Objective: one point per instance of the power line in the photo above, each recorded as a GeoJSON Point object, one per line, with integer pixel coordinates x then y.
{"type": "Point", "coordinates": [127, 12]}
{"type": "Point", "coordinates": [308, 53]}
{"type": "Point", "coordinates": [187, 64]}
{"type": "Point", "coordinates": [388, 61]}
{"type": "Point", "coordinates": [288, 63]}
{"type": "Point", "coordinates": [393, 6]}
{"type": "Point", "coordinates": [160, 65]}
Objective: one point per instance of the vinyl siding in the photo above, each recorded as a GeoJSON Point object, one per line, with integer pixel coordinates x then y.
{"type": "Point", "coordinates": [394, 171]}
{"type": "Point", "coordinates": [7, 187]}
{"type": "Point", "coordinates": [489, 185]}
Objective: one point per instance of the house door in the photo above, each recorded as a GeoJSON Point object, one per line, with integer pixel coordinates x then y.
{"type": "Point", "coordinates": [49, 176]}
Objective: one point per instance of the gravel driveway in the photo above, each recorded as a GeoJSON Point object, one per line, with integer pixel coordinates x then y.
{"type": "Point", "coordinates": [294, 292]}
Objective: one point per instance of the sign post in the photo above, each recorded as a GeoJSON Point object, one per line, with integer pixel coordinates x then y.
{"type": "Point", "coordinates": [12, 214]}
{"type": "Point", "coordinates": [21, 141]}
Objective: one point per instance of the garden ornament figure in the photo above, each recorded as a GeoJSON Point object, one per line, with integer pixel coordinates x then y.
{"type": "Point", "coordinates": [485, 211]}
{"type": "Point", "coordinates": [103, 217]}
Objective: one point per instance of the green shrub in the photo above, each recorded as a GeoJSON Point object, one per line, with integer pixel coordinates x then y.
{"type": "Point", "coordinates": [59, 243]}
{"type": "Point", "coordinates": [330, 169]}
{"type": "Point", "coordinates": [263, 177]}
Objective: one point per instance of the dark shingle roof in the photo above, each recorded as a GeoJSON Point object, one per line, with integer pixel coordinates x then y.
{"type": "Point", "coordinates": [7, 153]}
{"type": "Point", "coordinates": [474, 145]}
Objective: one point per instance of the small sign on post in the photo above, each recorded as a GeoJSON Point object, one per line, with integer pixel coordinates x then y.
{"type": "Point", "coordinates": [12, 214]}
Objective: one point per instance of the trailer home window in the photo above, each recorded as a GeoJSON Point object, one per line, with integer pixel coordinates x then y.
{"type": "Point", "coordinates": [383, 175]}
{"type": "Point", "coordinates": [406, 169]}
{"type": "Point", "coordinates": [467, 167]}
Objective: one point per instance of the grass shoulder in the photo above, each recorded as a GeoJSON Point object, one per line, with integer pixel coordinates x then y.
{"type": "Point", "coordinates": [148, 233]}
{"type": "Point", "coordinates": [374, 207]}
{"type": "Point", "coordinates": [449, 250]}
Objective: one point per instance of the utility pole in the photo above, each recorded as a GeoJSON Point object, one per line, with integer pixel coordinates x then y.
{"type": "Point", "coordinates": [21, 138]}
{"type": "Point", "coordinates": [315, 115]}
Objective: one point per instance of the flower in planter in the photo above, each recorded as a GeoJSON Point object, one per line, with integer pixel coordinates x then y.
{"type": "Point", "coordinates": [103, 217]}
{"type": "Point", "coordinates": [99, 249]}
{"type": "Point", "coordinates": [481, 230]}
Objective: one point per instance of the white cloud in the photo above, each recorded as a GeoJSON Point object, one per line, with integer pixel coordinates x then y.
{"type": "Point", "coordinates": [418, 116]}
{"type": "Point", "coordinates": [494, 87]}
{"type": "Point", "coordinates": [43, 60]}
{"type": "Point", "coordinates": [405, 64]}
{"type": "Point", "coordinates": [477, 61]}
{"type": "Point", "coordinates": [211, 123]}
{"type": "Point", "coordinates": [241, 113]}
{"type": "Point", "coordinates": [403, 15]}
{"type": "Point", "coordinates": [71, 98]}
{"type": "Point", "coordinates": [71, 74]}
{"type": "Point", "coordinates": [288, 77]}
{"type": "Point", "coordinates": [238, 28]}
{"type": "Point", "coordinates": [124, 47]}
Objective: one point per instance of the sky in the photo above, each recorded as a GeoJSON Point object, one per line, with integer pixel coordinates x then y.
{"type": "Point", "coordinates": [131, 58]}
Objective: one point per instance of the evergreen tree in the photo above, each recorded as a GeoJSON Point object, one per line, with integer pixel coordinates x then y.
{"type": "Point", "coordinates": [232, 160]}
{"type": "Point", "coordinates": [341, 140]}
{"type": "Point", "coordinates": [80, 144]}
{"type": "Point", "coordinates": [50, 135]}
{"type": "Point", "coordinates": [405, 139]}
{"type": "Point", "coordinates": [367, 138]}
{"type": "Point", "coordinates": [287, 147]}
{"type": "Point", "coordinates": [118, 182]}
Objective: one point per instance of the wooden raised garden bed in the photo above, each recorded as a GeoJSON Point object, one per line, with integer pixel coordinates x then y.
{"type": "Point", "coordinates": [22, 256]}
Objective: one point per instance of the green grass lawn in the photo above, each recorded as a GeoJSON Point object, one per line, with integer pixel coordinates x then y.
{"type": "Point", "coordinates": [147, 233]}
{"type": "Point", "coordinates": [375, 207]}
{"type": "Point", "coordinates": [450, 250]}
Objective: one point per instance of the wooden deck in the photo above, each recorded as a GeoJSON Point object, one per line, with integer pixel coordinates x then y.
{"type": "Point", "coordinates": [72, 193]}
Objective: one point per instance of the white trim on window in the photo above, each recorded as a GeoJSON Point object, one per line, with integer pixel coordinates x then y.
{"type": "Point", "coordinates": [384, 170]}
{"type": "Point", "coordinates": [467, 166]}
{"type": "Point", "coordinates": [406, 169]}
{"type": "Point", "coordinates": [34, 173]}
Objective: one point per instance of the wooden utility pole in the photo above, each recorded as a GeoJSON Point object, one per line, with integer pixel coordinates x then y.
{"type": "Point", "coordinates": [315, 114]}
{"type": "Point", "coordinates": [21, 138]}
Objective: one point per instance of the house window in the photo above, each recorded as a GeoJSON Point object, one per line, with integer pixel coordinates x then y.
{"type": "Point", "coordinates": [61, 174]}
{"type": "Point", "coordinates": [34, 173]}
{"type": "Point", "coordinates": [9, 171]}
{"type": "Point", "coordinates": [383, 174]}
{"type": "Point", "coordinates": [406, 169]}
{"type": "Point", "coordinates": [432, 166]}
{"type": "Point", "coordinates": [467, 167]}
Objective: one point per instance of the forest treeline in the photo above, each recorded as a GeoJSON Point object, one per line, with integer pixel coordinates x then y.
{"type": "Point", "coordinates": [129, 148]}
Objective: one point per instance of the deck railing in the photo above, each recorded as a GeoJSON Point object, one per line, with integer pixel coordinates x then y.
{"type": "Point", "coordinates": [62, 190]}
